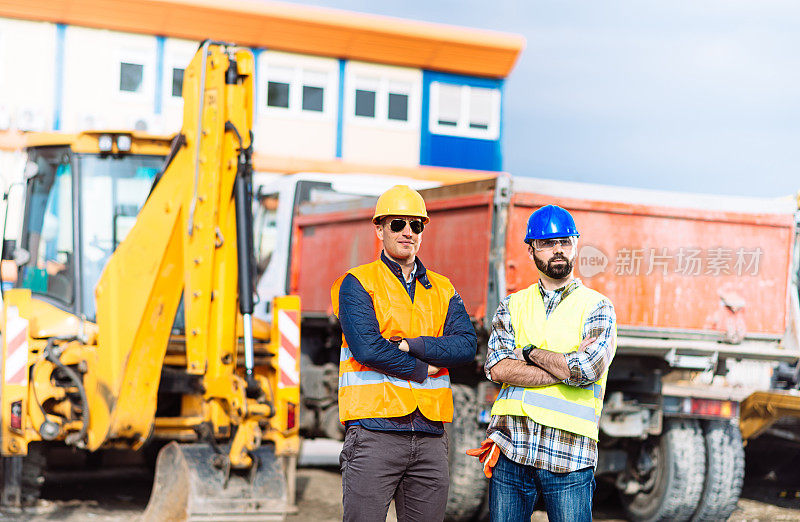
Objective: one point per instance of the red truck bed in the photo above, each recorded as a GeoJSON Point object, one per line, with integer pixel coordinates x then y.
{"type": "Point", "coordinates": [666, 267]}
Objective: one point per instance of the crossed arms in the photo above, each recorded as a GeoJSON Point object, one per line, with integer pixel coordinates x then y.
{"type": "Point", "coordinates": [424, 355]}
{"type": "Point", "coordinates": [505, 364]}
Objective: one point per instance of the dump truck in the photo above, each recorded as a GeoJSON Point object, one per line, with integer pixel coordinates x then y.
{"type": "Point", "coordinates": [704, 289]}
{"type": "Point", "coordinates": [131, 322]}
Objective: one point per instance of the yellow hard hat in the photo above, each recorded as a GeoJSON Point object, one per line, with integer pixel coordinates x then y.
{"type": "Point", "coordinates": [400, 200]}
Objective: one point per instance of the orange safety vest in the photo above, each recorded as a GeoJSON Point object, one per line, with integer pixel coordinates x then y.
{"type": "Point", "coordinates": [365, 393]}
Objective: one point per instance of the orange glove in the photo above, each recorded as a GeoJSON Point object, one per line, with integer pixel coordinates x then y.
{"type": "Point", "coordinates": [488, 454]}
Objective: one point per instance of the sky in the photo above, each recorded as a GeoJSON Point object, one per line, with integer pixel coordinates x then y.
{"type": "Point", "coordinates": [692, 95]}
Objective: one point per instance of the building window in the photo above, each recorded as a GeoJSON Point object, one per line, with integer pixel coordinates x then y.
{"type": "Point", "coordinates": [365, 103]}
{"type": "Point", "coordinates": [313, 98]}
{"type": "Point", "coordinates": [314, 83]}
{"type": "Point", "coordinates": [130, 77]}
{"type": "Point", "coordinates": [382, 100]}
{"type": "Point", "coordinates": [398, 107]}
{"type": "Point", "coordinates": [463, 110]}
{"type": "Point", "coordinates": [278, 94]}
{"type": "Point", "coordinates": [297, 89]}
{"type": "Point", "coordinates": [449, 104]}
{"type": "Point", "coordinates": [177, 82]}
{"type": "Point", "coordinates": [278, 87]}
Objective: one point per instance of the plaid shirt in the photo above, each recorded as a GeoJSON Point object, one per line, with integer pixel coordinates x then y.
{"type": "Point", "coordinates": [520, 438]}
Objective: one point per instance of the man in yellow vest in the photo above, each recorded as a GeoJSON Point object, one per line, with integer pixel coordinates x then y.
{"type": "Point", "coordinates": [402, 327]}
{"type": "Point", "coordinates": [551, 346]}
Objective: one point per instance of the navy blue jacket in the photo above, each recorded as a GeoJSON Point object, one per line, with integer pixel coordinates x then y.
{"type": "Point", "coordinates": [455, 347]}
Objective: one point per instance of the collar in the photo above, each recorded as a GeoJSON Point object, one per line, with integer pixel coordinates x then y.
{"type": "Point", "coordinates": [420, 273]}
{"type": "Point", "coordinates": [564, 290]}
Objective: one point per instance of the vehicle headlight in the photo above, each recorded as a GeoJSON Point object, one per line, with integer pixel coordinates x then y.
{"type": "Point", "coordinates": [105, 143]}
{"type": "Point", "coordinates": [124, 143]}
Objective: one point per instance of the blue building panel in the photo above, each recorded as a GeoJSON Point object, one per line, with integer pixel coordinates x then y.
{"type": "Point", "coordinates": [463, 153]}
{"type": "Point", "coordinates": [340, 109]}
{"type": "Point", "coordinates": [58, 67]}
{"type": "Point", "coordinates": [159, 92]}
{"type": "Point", "coordinates": [446, 150]}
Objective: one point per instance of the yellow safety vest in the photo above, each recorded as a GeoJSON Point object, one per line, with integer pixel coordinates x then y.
{"type": "Point", "coordinates": [366, 393]}
{"type": "Point", "coordinates": [570, 408]}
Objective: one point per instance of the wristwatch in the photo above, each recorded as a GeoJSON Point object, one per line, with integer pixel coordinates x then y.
{"type": "Point", "coordinates": [526, 353]}
{"type": "Point", "coordinates": [396, 339]}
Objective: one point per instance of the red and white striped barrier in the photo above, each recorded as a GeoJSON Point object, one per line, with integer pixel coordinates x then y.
{"type": "Point", "coordinates": [16, 363]}
{"type": "Point", "coordinates": [289, 351]}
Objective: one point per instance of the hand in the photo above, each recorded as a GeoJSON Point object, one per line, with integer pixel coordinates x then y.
{"type": "Point", "coordinates": [585, 343]}
{"type": "Point", "coordinates": [433, 369]}
{"type": "Point", "coordinates": [518, 354]}
{"type": "Point", "coordinates": [403, 346]}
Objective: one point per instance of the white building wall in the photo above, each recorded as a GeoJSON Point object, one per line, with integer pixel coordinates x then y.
{"type": "Point", "coordinates": [177, 55]}
{"type": "Point", "coordinates": [381, 138]}
{"type": "Point", "coordinates": [27, 75]}
{"type": "Point", "coordinates": [92, 96]}
{"type": "Point", "coordinates": [297, 130]}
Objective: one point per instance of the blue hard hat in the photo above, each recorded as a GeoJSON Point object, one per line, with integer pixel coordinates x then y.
{"type": "Point", "coordinates": [550, 221]}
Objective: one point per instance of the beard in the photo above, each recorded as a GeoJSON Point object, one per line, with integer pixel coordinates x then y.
{"type": "Point", "coordinates": [552, 270]}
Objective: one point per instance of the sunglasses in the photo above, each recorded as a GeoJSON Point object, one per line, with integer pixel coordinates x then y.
{"type": "Point", "coordinates": [397, 225]}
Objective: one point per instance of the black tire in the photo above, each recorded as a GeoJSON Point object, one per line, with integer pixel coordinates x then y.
{"type": "Point", "coordinates": [31, 477]}
{"type": "Point", "coordinates": [468, 484]}
{"type": "Point", "coordinates": [33, 466]}
{"type": "Point", "coordinates": [674, 485]}
{"type": "Point", "coordinates": [724, 471]}
{"type": "Point", "coordinates": [330, 424]}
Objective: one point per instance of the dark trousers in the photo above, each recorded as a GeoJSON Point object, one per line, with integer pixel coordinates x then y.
{"type": "Point", "coordinates": [378, 466]}
{"type": "Point", "coordinates": [514, 489]}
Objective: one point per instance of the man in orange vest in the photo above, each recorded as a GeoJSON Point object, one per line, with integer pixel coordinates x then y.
{"type": "Point", "coordinates": [402, 326]}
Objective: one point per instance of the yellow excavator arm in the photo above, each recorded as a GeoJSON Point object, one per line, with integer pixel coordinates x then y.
{"type": "Point", "coordinates": [184, 240]}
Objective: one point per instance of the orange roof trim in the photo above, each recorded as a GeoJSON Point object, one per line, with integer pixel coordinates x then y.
{"type": "Point", "coordinates": [294, 28]}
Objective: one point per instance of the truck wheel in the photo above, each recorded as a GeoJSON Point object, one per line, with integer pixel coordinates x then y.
{"type": "Point", "coordinates": [724, 471]}
{"type": "Point", "coordinates": [330, 424]}
{"type": "Point", "coordinates": [670, 472]}
{"type": "Point", "coordinates": [468, 485]}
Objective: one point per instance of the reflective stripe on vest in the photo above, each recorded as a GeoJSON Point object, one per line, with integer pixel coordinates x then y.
{"type": "Point", "coordinates": [580, 411]}
{"type": "Point", "coordinates": [367, 376]}
{"type": "Point", "coordinates": [370, 377]}
{"type": "Point", "coordinates": [570, 408]}
{"type": "Point", "coordinates": [366, 393]}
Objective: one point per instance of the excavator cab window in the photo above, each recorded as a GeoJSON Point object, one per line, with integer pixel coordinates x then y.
{"type": "Point", "coordinates": [112, 190]}
{"type": "Point", "coordinates": [48, 228]}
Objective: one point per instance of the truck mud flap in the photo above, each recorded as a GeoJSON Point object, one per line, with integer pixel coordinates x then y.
{"type": "Point", "coordinates": [189, 486]}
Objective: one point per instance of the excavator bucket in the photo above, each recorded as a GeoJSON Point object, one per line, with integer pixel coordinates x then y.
{"type": "Point", "coordinates": [191, 485]}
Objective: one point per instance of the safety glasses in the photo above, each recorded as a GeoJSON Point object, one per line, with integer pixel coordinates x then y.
{"type": "Point", "coordinates": [398, 224]}
{"type": "Point", "coordinates": [566, 243]}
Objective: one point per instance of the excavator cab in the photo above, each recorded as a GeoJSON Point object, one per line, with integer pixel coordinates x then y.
{"type": "Point", "coordinates": [131, 319]}
{"type": "Point", "coordinates": [82, 194]}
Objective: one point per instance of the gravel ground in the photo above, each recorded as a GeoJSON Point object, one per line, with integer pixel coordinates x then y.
{"type": "Point", "coordinates": [771, 492]}
{"type": "Point", "coordinates": [320, 494]}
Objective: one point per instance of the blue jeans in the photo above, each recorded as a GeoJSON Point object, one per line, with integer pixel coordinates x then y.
{"type": "Point", "coordinates": [514, 490]}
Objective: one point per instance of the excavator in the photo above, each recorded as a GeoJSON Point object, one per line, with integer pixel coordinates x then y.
{"type": "Point", "coordinates": [131, 321]}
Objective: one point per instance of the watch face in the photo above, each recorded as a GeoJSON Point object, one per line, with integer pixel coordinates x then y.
{"type": "Point", "coordinates": [395, 339]}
